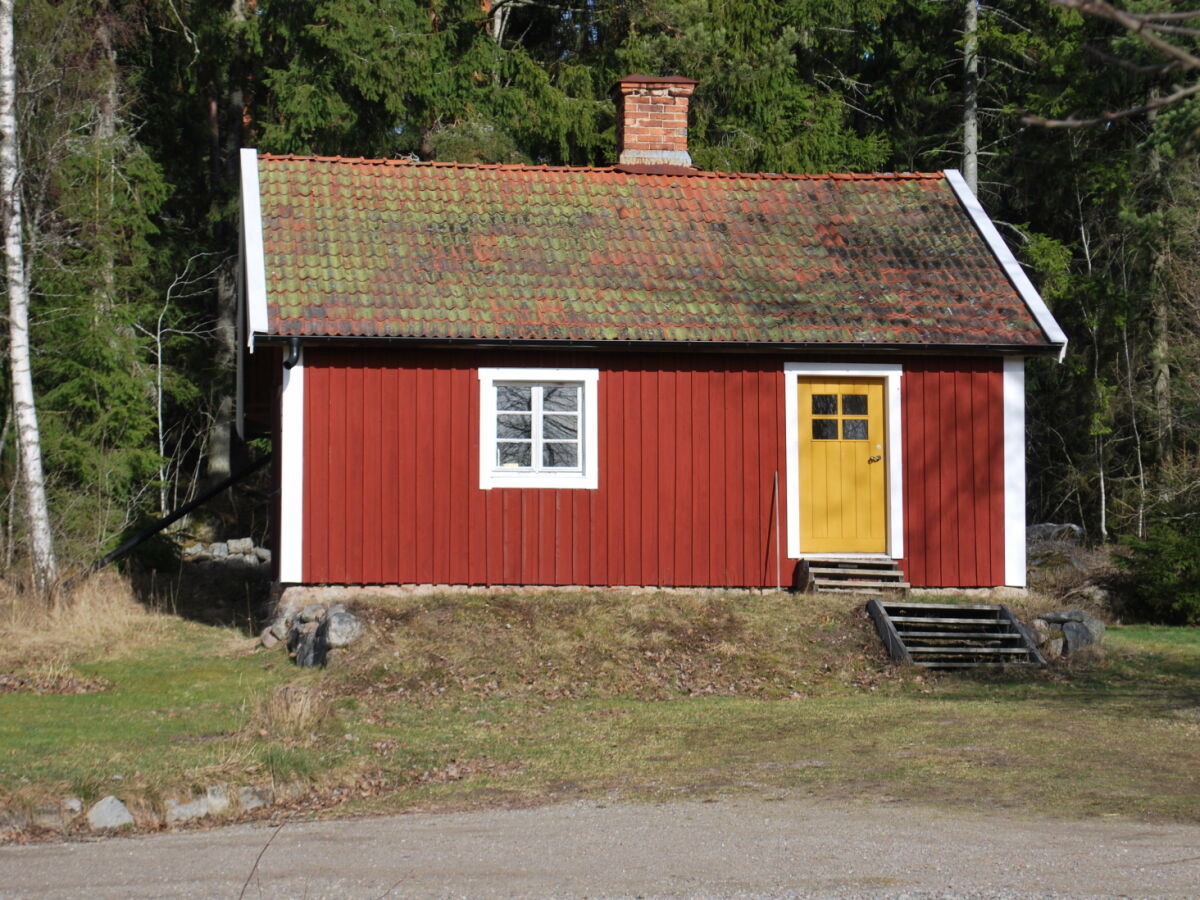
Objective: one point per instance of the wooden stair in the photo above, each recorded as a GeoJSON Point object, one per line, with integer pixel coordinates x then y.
{"type": "Point", "coordinates": [851, 576]}
{"type": "Point", "coordinates": [949, 636]}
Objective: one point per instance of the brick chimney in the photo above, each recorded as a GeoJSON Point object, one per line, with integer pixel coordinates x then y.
{"type": "Point", "coordinates": [652, 120]}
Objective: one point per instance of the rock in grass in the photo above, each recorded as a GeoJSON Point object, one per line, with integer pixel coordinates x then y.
{"type": "Point", "coordinates": [240, 546]}
{"type": "Point", "coordinates": [108, 813]}
{"type": "Point", "coordinates": [312, 612]}
{"type": "Point", "coordinates": [218, 799]}
{"type": "Point", "coordinates": [50, 817]}
{"type": "Point", "coordinates": [250, 798]}
{"type": "Point", "coordinates": [268, 639]}
{"type": "Point", "coordinates": [342, 628]}
{"type": "Point", "coordinates": [1077, 635]}
{"type": "Point", "coordinates": [187, 812]}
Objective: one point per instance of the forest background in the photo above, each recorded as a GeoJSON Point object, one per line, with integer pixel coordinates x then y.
{"type": "Point", "coordinates": [130, 114]}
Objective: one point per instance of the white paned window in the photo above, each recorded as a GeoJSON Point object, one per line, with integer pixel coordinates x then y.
{"type": "Point", "coordinates": [537, 428]}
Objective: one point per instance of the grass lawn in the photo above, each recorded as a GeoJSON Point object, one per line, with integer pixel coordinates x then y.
{"type": "Point", "coordinates": [468, 700]}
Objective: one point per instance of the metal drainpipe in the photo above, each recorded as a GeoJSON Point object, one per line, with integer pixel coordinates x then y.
{"type": "Point", "coordinates": [293, 355]}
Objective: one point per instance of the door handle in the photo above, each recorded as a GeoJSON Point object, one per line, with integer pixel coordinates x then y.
{"type": "Point", "coordinates": [875, 458]}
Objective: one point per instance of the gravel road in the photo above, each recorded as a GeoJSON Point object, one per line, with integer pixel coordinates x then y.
{"type": "Point", "coordinates": [744, 847]}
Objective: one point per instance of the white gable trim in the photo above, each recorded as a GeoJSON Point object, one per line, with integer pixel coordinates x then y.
{"type": "Point", "coordinates": [1012, 268]}
{"type": "Point", "coordinates": [890, 373]}
{"type": "Point", "coordinates": [291, 481]}
{"type": "Point", "coordinates": [254, 265]}
{"type": "Point", "coordinates": [1014, 472]}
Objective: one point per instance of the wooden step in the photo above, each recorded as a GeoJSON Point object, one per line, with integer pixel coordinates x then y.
{"type": "Point", "coordinates": [960, 635]}
{"type": "Point", "coordinates": [823, 583]}
{"type": "Point", "coordinates": [934, 664]}
{"type": "Point", "coordinates": [873, 573]}
{"type": "Point", "coordinates": [969, 650]}
{"type": "Point", "coordinates": [890, 605]}
{"type": "Point", "coordinates": [948, 636]}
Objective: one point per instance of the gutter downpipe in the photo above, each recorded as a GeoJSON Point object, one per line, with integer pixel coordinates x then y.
{"type": "Point", "coordinates": [293, 354]}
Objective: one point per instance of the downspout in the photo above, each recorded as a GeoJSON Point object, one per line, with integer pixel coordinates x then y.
{"type": "Point", "coordinates": [293, 354]}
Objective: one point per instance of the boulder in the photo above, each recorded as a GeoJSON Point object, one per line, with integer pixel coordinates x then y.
{"type": "Point", "coordinates": [1073, 628]}
{"type": "Point", "coordinates": [268, 639]}
{"type": "Point", "coordinates": [1077, 635]}
{"type": "Point", "coordinates": [194, 551]}
{"type": "Point", "coordinates": [241, 546]}
{"type": "Point", "coordinates": [178, 813]}
{"type": "Point", "coordinates": [218, 798]}
{"type": "Point", "coordinates": [218, 550]}
{"type": "Point", "coordinates": [50, 817]}
{"type": "Point", "coordinates": [263, 554]}
{"type": "Point", "coordinates": [109, 813]}
{"type": "Point", "coordinates": [342, 628]}
{"type": "Point", "coordinates": [1053, 531]}
{"type": "Point", "coordinates": [251, 798]}
{"type": "Point", "coordinates": [71, 807]}
{"type": "Point", "coordinates": [1052, 649]}
{"type": "Point", "coordinates": [312, 612]}
{"type": "Point", "coordinates": [306, 644]}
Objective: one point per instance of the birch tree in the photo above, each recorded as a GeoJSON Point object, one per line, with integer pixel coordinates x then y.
{"type": "Point", "coordinates": [37, 514]}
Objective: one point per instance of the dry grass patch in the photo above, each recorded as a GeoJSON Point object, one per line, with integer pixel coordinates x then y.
{"type": "Point", "coordinates": [578, 644]}
{"type": "Point", "coordinates": [96, 617]}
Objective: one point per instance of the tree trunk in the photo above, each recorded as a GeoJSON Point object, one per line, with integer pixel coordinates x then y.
{"type": "Point", "coordinates": [224, 166]}
{"type": "Point", "coordinates": [970, 156]}
{"type": "Point", "coordinates": [37, 513]}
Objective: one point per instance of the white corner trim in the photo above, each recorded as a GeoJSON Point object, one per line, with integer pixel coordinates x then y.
{"type": "Point", "coordinates": [254, 264]}
{"type": "Point", "coordinates": [588, 478]}
{"type": "Point", "coordinates": [1014, 472]}
{"type": "Point", "coordinates": [1004, 255]}
{"type": "Point", "coordinates": [891, 374]}
{"type": "Point", "coordinates": [291, 481]}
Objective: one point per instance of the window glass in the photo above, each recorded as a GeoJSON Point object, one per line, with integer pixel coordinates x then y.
{"type": "Point", "coordinates": [824, 429]}
{"type": "Point", "coordinates": [518, 398]}
{"type": "Point", "coordinates": [854, 429]}
{"type": "Point", "coordinates": [824, 404]}
{"type": "Point", "coordinates": [854, 404]}
{"type": "Point", "coordinates": [510, 426]}
{"type": "Point", "coordinates": [558, 455]}
{"type": "Point", "coordinates": [564, 397]}
{"type": "Point", "coordinates": [510, 454]}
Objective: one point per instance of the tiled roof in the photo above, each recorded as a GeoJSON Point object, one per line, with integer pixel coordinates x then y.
{"type": "Point", "coordinates": [424, 250]}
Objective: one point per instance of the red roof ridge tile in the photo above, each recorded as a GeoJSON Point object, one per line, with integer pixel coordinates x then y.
{"type": "Point", "coordinates": [619, 170]}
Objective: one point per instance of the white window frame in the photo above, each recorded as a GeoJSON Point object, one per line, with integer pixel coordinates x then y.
{"type": "Point", "coordinates": [890, 374]}
{"type": "Point", "coordinates": [587, 477]}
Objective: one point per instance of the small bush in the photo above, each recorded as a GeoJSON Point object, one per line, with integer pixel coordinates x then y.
{"type": "Point", "coordinates": [1164, 574]}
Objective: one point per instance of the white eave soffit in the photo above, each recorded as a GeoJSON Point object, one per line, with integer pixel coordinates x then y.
{"type": "Point", "coordinates": [1012, 268]}
{"type": "Point", "coordinates": [253, 260]}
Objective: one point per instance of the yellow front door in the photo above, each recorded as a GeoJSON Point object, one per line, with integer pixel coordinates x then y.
{"type": "Point", "coordinates": [843, 470]}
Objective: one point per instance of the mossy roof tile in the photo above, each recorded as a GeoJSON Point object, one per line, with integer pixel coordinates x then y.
{"type": "Point", "coordinates": [397, 249]}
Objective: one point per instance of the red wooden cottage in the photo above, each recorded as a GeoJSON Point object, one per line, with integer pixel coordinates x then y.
{"type": "Point", "coordinates": [638, 375]}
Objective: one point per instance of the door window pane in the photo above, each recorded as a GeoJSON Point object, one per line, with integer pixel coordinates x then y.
{"type": "Point", "coordinates": [854, 404]}
{"type": "Point", "coordinates": [854, 429]}
{"type": "Point", "coordinates": [824, 404]}
{"type": "Point", "coordinates": [824, 429]}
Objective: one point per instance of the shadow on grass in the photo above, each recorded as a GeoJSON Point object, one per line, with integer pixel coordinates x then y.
{"type": "Point", "coordinates": [206, 591]}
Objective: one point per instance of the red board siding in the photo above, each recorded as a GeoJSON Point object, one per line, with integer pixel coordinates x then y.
{"type": "Point", "coordinates": [953, 426]}
{"type": "Point", "coordinates": [689, 446]}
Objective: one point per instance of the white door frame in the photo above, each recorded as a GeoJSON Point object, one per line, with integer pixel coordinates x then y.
{"type": "Point", "coordinates": [890, 374]}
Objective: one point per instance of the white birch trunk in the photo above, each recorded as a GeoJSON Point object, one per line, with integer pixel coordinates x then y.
{"type": "Point", "coordinates": [37, 514]}
{"type": "Point", "coordinates": [970, 160]}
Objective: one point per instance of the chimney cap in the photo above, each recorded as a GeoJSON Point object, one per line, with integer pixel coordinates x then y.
{"type": "Point", "coordinates": [656, 79]}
